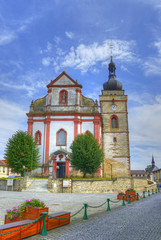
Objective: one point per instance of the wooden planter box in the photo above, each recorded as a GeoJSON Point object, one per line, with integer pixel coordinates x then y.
{"type": "Point", "coordinates": [35, 212]}
{"type": "Point", "coordinates": [130, 192]}
{"type": "Point", "coordinates": [119, 196]}
{"type": "Point", "coordinates": [32, 229]}
{"type": "Point", "coordinates": [6, 220]}
{"type": "Point", "coordinates": [132, 198]}
{"type": "Point", "coordinates": [53, 223]}
{"type": "Point", "coordinates": [29, 213]}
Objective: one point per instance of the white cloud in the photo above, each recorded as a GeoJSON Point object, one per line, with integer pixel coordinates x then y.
{"type": "Point", "coordinates": [145, 130]}
{"type": "Point", "coordinates": [47, 49]}
{"type": "Point", "coordinates": [46, 61]}
{"type": "Point", "coordinates": [13, 118]}
{"type": "Point", "coordinates": [83, 57]}
{"type": "Point", "coordinates": [69, 35]}
{"type": "Point", "coordinates": [7, 37]}
{"type": "Point", "coordinates": [152, 65]}
{"type": "Point", "coordinates": [57, 40]}
{"type": "Point", "coordinates": [29, 82]}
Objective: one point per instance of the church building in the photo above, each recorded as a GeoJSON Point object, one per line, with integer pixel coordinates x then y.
{"type": "Point", "coordinates": [56, 119]}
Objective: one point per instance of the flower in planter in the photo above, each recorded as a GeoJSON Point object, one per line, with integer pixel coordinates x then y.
{"type": "Point", "coordinates": [33, 203]}
{"type": "Point", "coordinates": [121, 193]}
{"type": "Point", "coordinates": [130, 189]}
{"type": "Point", "coordinates": [17, 211]}
{"type": "Point", "coordinates": [14, 213]}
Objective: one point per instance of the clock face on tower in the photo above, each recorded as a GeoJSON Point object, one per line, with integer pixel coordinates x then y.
{"type": "Point", "coordinates": [113, 107]}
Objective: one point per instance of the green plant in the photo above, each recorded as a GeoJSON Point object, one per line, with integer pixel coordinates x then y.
{"type": "Point", "coordinates": [17, 211]}
{"type": "Point", "coordinates": [14, 213]}
{"type": "Point", "coordinates": [33, 203]}
{"type": "Point", "coordinates": [22, 153]}
{"type": "Point", "coordinates": [121, 193]}
{"type": "Point", "coordinates": [130, 189]}
{"type": "Point", "coordinates": [86, 155]}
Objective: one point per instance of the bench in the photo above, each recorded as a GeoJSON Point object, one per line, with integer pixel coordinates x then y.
{"type": "Point", "coordinates": [33, 228]}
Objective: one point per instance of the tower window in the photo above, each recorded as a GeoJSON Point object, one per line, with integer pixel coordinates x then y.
{"type": "Point", "coordinates": [114, 139]}
{"type": "Point", "coordinates": [61, 137]}
{"type": "Point", "coordinates": [114, 121]}
{"type": "Point", "coordinates": [63, 97]}
{"type": "Point", "coordinates": [38, 138]}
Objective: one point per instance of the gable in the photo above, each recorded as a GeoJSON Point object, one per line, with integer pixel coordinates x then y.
{"type": "Point", "coordinates": [63, 80]}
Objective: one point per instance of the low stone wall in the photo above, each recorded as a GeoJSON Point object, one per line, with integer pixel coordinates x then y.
{"type": "Point", "coordinates": [139, 184]}
{"type": "Point", "coordinates": [99, 186]}
{"type": "Point", "coordinates": [27, 182]}
{"type": "Point", "coordinates": [150, 187]}
{"type": "Point", "coordinates": [89, 186]}
{"type": "Point", "coordinates": [17, 185]}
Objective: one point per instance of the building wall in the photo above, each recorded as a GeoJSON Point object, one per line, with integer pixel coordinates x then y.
{"type": "Point", "coordinates": [116, 152]}
{"type": "Point", "coordinates": [3, 171]}
{"type": "Point", "coordinates": [55, 126]}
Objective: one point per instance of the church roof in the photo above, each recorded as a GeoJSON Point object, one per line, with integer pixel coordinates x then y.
{"type": "Point", "coordinates": [138, 172]}
{"type": "Point", "coordinates": [2, 163]}
{"type": "Point", "coordinates": [112, 83]}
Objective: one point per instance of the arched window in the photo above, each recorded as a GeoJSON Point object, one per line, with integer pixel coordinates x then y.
{"type": "Point", "coordinates": [38, 138]}
{"type": "Point", "coordinates": [63, 97]}
{"type": "Point", "coordinates": [61, 138]}
{"type": "Point", "coordinates": [114, 121]}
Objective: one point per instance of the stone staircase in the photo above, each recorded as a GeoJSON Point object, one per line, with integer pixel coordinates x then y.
{"type": "Point", "coordinates": [38, 185]}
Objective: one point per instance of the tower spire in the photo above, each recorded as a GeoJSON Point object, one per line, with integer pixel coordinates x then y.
{"type": "Point", "coordinates": [153, 162]}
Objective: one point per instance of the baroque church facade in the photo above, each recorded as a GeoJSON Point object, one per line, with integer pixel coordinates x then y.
{"type": "Point", "coordinates": [56, 119]}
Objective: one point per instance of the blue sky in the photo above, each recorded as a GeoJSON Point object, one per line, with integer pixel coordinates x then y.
{"type": "Point", "coordinates": [40, 37]}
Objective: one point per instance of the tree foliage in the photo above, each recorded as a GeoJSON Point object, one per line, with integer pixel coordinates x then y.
{"type": "Point", "coordinates": [86, 154]}
{"type": "Point", "coordinates": [148, 167]}
{"type": "Point", "coordinates": [21, 150]}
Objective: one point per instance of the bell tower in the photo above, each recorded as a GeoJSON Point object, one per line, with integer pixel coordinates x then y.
{"type": "Point", "coordinates": [115, 133]}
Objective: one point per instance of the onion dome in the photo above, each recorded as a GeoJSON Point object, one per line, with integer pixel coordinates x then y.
{"type": "Point", "coordinates": [113, 83]}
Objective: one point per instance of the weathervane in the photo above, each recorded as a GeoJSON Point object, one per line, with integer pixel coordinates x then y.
{"type": "Point", "coordinates": [64, 69]}
{"type": "Point", "coordinates": [111, 47]}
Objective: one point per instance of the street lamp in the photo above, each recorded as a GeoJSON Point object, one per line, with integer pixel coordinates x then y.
{"type": "Point", "coordinates": [111, 170]}
{"type": "Point", "coordinates": [24, 170]}
{"type": "Point", "coordinates": [31, 156]}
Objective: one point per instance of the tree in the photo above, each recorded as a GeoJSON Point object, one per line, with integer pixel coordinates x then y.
{"type": "Point", "coordinates": [86, 154]}
{"type": "Point", "coordinates": [148, 167]}
{"type": "Point", "coordinates": [21, 150]}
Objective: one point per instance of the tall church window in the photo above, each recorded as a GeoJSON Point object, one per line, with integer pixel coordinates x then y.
{"type": "Point", "coordinates": [38, 138]}
{"type": "Point", "coordinates": [63, 97]}
{"type": "Point", "coordinates": [61, 137]}
{"type": "Point", "coordinates": [114, 121]}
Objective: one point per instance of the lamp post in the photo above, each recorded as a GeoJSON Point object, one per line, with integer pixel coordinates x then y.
{"type": "Point", "coordinates": [31, 156]}
{"type": "Point", "coordinates": [24, 170]}
{"type": "Point", "coordinates": [111, 170]}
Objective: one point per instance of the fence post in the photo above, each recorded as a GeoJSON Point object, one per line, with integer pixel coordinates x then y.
{"type": "Point", "coordinates": [44, 231]}
{"type": "Point", "coordinates": [108, 205]}
{"type": "Point", "coordinates": [152, 192]}
{"type": "Point", "coordinates": [129, 198]}
{"type": "Point", "coordinates": [85, 211]}
{"type": "Point", "coordinates": [137, 196]}
{"type": "Point", "coordinates": [156, 190]}
{"type": "Point", "coordinates": [143, 194]}
{"type": "Point", "coordinates": [123, 200]}
{"type": "Point", "coordinates": [148, 193]}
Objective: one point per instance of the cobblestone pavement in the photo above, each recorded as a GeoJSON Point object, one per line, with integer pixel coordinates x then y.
{"type": "Point", "coordinates": [57, 202]}
{"type": "Point", "coordinates": [139, 220]}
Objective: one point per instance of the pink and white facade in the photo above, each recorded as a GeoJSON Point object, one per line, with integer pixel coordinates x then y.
{"type": "Point", "coordinates": [56, 119]}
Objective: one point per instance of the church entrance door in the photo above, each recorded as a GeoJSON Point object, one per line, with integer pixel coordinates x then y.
{"type": "Point", "coordinates": [60, 170]}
